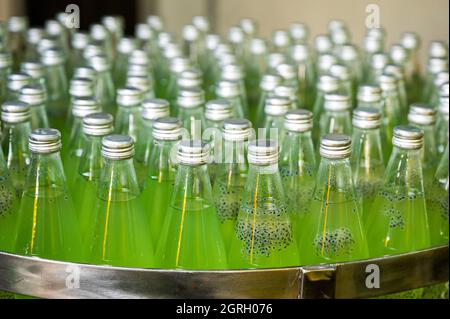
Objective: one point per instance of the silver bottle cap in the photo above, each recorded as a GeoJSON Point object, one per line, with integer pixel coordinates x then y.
{"type": "Point", "coordinates": [336, 102]}
{"type": "Point", "coordinates": [129, 96]}
{"type": "Point", "coordinates": [98, 124]}
{"type": "Point", "coordinates": [349, 53]}
{"type": "Point", "coordinates": [376, 32]}
{"type": "Point", "coordinates": [269, 82]}
{"type": "Point", "coordinates": [143, 32]}
{"type": "Point", "coordinates": [5, 60]}
{"type": "Point", "coordinates": [140, 57]}
{"type": "Point", "coordinates": [436, 66]}
{"type": "Point", "coordinates": [286, 71]}
{"type": "Point", "coordinates": [179, 64]}
{"type": "Point", "coordinates": [335, 146]}
{"type": "Point", "coordinates": [34, 35]}
{"type": "Point", "coordinates": [410, 40]}
{"type": "Point", "coordinates": [137, 70]}
{"type": "Point", "coordinates": [80, 40]}
{"type": "Point", "coordinates": [172, 50]}
{"type": "Point", "coordinates": [394, 70]}
{"type": "Point", "coordinates": [85, 72]}
{"type": "Point", "coordinates": [143, 83]}
{"type": "Point", "coordinates": [441, 78]}
{"type": "Point", "coordinates": [93, 49]}
{"type": "Point", "coordinates": [44, 141]}
{"type": "Point", "coordinates": [117, 147]}
{"type": "Point", "coordinates": [366, 118]}
{"type": "Point", "coordinates": [327, 83]}
{"type": "Point", "coordinates": [281, 39]}
{"type": "Point", "coordinates": [164, 38]}
{"type": "Point", "coordinates": [81, 87]}
{"type": "Point", "coordinates": [277, 106]}
{"type": "Point", "coordinates": [438, 49]}
{"type": "Point", "coordinates": [372, 44]}
{"type": "Point", "coordinates": [249, 26]}
{"type": "Point", "coordinates": [299, 120]}
{"type": "Point", "coordinates": [286, 90]}
{"type": "Point", "coordinates": [225, 59]}
{"type": "Point", "coordinates": [336, 24]}
{"type": "Point", "coordinates": [190, 78]}
{"type": "Point", "coordinates": [54, 27]}
{"type": "Point", "coordinates": [155, 22]}
{"type": "Point", "coordinates": [237, 130]}
{"type": "Point", "coordinates": [218, 110]}
{"type": "Point", "coordinates": [201, 23]}
{"type": "Point", "coordinates": [275, 58]}
{"type": "Point", "coordinates": [99, 32]}
{"type": "Point", "coordinates": [113, 23]}
{"type": "Point", "coordinates": [48, 43]}
{"type": "Point", "coordinates": [258, 46]}
{"type": "Point", "coordinates": [422, 114]}
{"type": "Point", "coordinates": [444, 100]}
{"type": "Point", "coordinates": [190, 98]}
{"type": "Point", "coordinates": [325, 61]}
{"type": "Point", "coordinates": [388, 83]}
{"type": "Point", "coordinates": [408, 137]}
{"type": "Point", "coordinates": [340, 36]}
{"type": "Point", "coordinates": [100, 63]}
{"type": "Point", "coordinates": [15, 112]}
{"type": "Point", "coordinates": [340, 71]}
{"type": "Point", "coordinates": [52, 57]}
{"type": "Point", "coordinates": [17, 24]}
{"type": "Point", "coordinates": [33, 94]}
{"type": "Point", "coordinates": [190, 33]}
{"type": "Point", "coordinates": [299, 32]}
{"type": "Point", "coordinates": [212, 41]}
{"type": "Point", "coordinates": [236, 35]}
{"type": "Point", "coordinates": [193, 152]}
{"type": "Point", "coordinates": [322, 44]}
{"type": "Point", "coordinates": [379, 61]}
{"type": "Point", "coordinates": [33, 68]}
{"type": "Point", "coordinates": [16, 81]}
{"type": "Point", "coordinates": [227, 89]}
{"type": "Point", "coordinates": [126, 45]}
{"type": "Point", "coordinates": [369, 94]}
{"type": "Point", "coordinates": [263, 152]}
{"type": "Point", "coordinates": [153, 109]}
{"type": "Point", "coordinates": [167, 129]}
{"type": "Point", "coordinates": [232, 72]}
{"type": "Point", "coordinates": [223, 48]}
{"type": "Point", "coordinates": [82, 106]}
{"type": "Point", "coordinates": [299, 52]}
{"type": "Point", "coordinates": [398, 54]}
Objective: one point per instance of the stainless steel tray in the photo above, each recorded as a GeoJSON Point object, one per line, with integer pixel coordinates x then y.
{"type": "Point", "coordinates": [53, 279]}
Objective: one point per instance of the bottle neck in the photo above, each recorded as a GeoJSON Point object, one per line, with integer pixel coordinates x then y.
{"type": "Point", "coordinates": [334, 177]}
{"type": "Point", "coordinates": [15, 138]}
{"type": "Point", "coordinates": [162, 164]}
{"type": "Point", "coordinates": [91, 161]}
{"type": "Point", "coordinates": [297, 153]}
{"type": "Point", "coordinates": [118, 181]}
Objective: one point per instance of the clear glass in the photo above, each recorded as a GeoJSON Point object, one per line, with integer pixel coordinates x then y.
{"type": "Point", "coordinates": [47, 223]}
{"type": "Point", "coordinates": [39, 117]}
{"type": "Point", "coordinates": [274, 128]}
{"type": "Point", "coordinates": [333, 231]}
{"type": "Point", "coordinates": [74, 150]}
{"type": "Point", "coordinates": [298, 174]}
{"type": "Point", "coordinates": [119, 227]}
{"type": "Point", "coordinates": [57, 94]}
{"type": "Point", "coordinates": [336, 123]}
{"type": "Point", "coordinates": [158, 184]}
{"type": "Point", "coordinates": [144, 146]}
{"type": "Point", "coordinates": [263, 236]}
{"type": "Point", "coordinates": [128, 121]}
{"type": "Point", "coordinates": [106, 92]}
{"type": "Point", "coordinates": [391, 117]}
{"type": "Point", "coordinates": [4, 72]}
{"type": "Point", "coordinates": [442, 135]}
{"type": "Point", "coordinates": [429, 154]}
{"type": "Point", "coordinates": [190, 236]}
{"type": "Point", "coordinates": [17, 154]}
{"type": "Point", "coordinates": [193, 119]}
{"type": "Point", "coordinates": [367, 165]}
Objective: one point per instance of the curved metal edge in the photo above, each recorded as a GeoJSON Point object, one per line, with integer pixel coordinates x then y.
{"type": "Point", "coordinates": [55, 279]}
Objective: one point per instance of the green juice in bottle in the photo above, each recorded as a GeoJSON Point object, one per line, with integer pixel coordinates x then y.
{"type": "Point", "coordinates": [152, 109]}
{"type": "Point", "coordinates": [263, 235]}
{"type": "Point", "coordinates": [367, 155]}
{"type": "Point", "coordinates": [298, 164]}
{"type": "Point", "coordinates": [15, 116]}
{"type": "Point", "coordinates": [84, 186]}
{"type": "Point", "coordinates": [159, 177]}
{"type": "Point", "coordinates": [442, 122]}
{"type": "Point", "coordinates": [119, 228]}
{"type": "Point", "coordinates": [333, 231]}
{"type": "Point", "coordinates": [231, 174]}
{"type": "Point", "coordinates": [190, 236]}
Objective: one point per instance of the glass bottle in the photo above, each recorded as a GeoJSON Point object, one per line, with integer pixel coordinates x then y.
{"type": "Point", "coordinates": [37, 72]}
{"type": "Point", "coordinates": [324, 62]}
{"type": "Point", "coordinates": [152, 109]}
{"type": "Point", "coordinates": [371, 46]}
{"type": "Point", "coordinates": [391, 109]}
{"type": "Point", "coordinates": [298, 164]}
{"type": "Point", "coordinates": [233, 72]}
{"type": "Point", "coordinates": [190, 236]}
{"type": "Point", "coordinates": [190, 78]}
{"type": "Point", "coordinates": [337, 118]}
{"type": "Point", "coordinates": [350, 57]}
{"type": "Point", "coordinates": [397, 72]}
{"type": "Point", "coordinates": [299, 33]}
{"type": "Point", "coordinates": [16, 39]}
{"type": "Point", "coordinates": [177, 66]}
{"type": "Point", "coordinates": [442, 122]}
{"type": "Point", "coordinates": [71, 157]}
{"type": "Point", "coordinates": [118, 233]}
{"type": "Point", "coordinates": [268, 83]}
{"type": "Point", "coordinates": [289, 91]}
{"type": "Point", "coordinates": [440, 79]}
{"type": "Point", "coordinates": [15, 116]}
{"type": "Point", "coordinates": [80, 88]}
{"type": "Point", "coordinates": [105, 86]}
{"type": "Point", "coordinates": [367, 155]}
{"type": "Point", "coordinates": [33, 37]}
{"type": "Point", "coordinates": [273, 125]}
{"type": "Point", "coordinates": [143, 83]}
{"type": "Point", "coordinates": [191, 111]}
{"type": "Point", "coordinates": [231, 174]}
{"type": "Point", "coordinates": [342, 73]}
{"type": "Point", "coordinates": [326, 84]}
{"type": "Point", "coordinates": [191, 43]}
{"type": "Point", "coordinates": [301, 56]}
{"type": "Point", "coordinates": [263, 235]}
{"type": "Point", "coordinates": [397, 222]}
{"type": "Point", "coordinates": [333, 232]}
{"type": "Point", "coordinates": [79, 42]}
{"type": "Point", "coordinates": [85, 183]}
{"type": "Point", "coordinates": [423, 116]}
{"type": "Point", "coordinates": [434, 67]}
{"type": "Point", "coordinates": [124, 48]}
{"type": "Point", "coordinates": [34, 95]}
{"type": "Point", "coordinates": [229, 90]}
{"type": "Point", "coordinates": [15, 82]}
{"type": "Point", "coordinates": [280, 41]}
{"type": "Point", "coordinates": [159, 178]}
{"type": "Point", "coordinates": [5, 70]}
{"type": "Point", "coordinates": [411, 42]}
{"type": "Point", "coordinates": [377, 65]}
{"type": "Point", "coordinates": [128, 117]}
{"type": "Point", "coordinates": [254, 69]}
{"type": "Point", "coordinates": [47, 223]}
